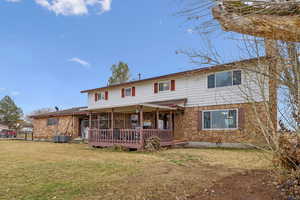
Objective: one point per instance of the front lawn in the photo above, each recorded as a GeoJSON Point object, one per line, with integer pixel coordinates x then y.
{"type": "Point", "coordinates": [37, 171]}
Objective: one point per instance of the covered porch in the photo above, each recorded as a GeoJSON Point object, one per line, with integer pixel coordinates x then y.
{"type": "Point", "coordinates": [131, 125]}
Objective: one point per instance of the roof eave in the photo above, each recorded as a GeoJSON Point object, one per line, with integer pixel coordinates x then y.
{"type": "Point", "coordinates": [204, 69]}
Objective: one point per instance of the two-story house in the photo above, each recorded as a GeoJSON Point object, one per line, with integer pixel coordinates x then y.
{"type": "Point", "coordinates": [208, 104]}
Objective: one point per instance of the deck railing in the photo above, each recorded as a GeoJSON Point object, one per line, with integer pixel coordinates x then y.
{"type": "Point", "coordinates": [127, 137]}
{"type": "Point", "coordinates": [164, 135]}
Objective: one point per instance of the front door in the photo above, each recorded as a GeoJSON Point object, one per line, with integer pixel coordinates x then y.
{"type": "Point", "coordinates": [164, 122]}
{"type": "Point", "coordinates": [84, 126]}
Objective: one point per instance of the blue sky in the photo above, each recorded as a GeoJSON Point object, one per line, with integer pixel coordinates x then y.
{"type": "Point", "coordinates": [50, 50]}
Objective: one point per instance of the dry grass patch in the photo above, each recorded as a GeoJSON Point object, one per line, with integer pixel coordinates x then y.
{"type": "Point", "coordinates": [231, 158]}
{"type": "Point", "coordinates": [38, 171]}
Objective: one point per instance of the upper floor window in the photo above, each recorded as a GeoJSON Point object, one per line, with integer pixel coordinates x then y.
{"type": "Point", "coordinates": [52, 121]}
{"type": "Point", "coordinates": [227, 78]}
{"type": "Point", "coordinates": [164, 86]}
{"type": "Point", "coordinates": [220, 119]}
{"type": "Point", "coordinates": [101, 96]}
{"type": "Point", "coordinates": [127, 92]}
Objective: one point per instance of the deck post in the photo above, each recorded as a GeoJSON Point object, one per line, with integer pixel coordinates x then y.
{"type": "Point", "coordinates": [141, 125]}
{"type": "Point", "coordinates": [97, 122]}
{"type": "Point", "coordinates": [90, 126]}
{"type": "Point", "coordinates": [112, 124]}
{"type": "Point", "coordinates": [124, 118]}
{"type": "Point", "coordinates": [90, 120]}
{"type": "Point", "coordinates": [171, 123]}
{"type": "Point", "coordinates": [171, 120]}
{"type": "Point", "coordinates": [157, 120]}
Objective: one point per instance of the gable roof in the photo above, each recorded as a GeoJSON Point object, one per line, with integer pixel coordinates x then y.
{"type": "Point", "coordinates": [66, 112]}
{"type": "Point", "coordinates": [198, 70]}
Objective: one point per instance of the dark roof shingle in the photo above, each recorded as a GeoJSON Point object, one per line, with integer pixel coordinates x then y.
{"type": "Point", "coordinates": [66, 112]}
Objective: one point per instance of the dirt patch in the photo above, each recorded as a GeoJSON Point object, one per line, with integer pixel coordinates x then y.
{"type": "Point", "coordinates": [249, 185]}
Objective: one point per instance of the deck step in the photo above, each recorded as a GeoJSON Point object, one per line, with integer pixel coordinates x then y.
{"type": "Point", "coordinates": [79, 140]}
{"type": "Point", "coordinates": [180, 143]}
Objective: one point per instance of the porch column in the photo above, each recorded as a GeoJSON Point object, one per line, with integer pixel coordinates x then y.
{"type": "Point", "coordinates": [171, 120]}
{"type": "Point", "coordinates": [112, 123]}
{"type": "Point", "coordinates": [141, 125]}
{"type": "Point", "coordinates": [90, 120]}
{"type": "Point", "coordinates": [124, 118]}
{"type": "Point", "coordinates": [141, 117]}
{"type": "Point", "coordinates": [90, 128]}
{"type": "Point", "coordinates": [112, 119]}
{"type": "Point", "coordinates": [171, 124]}
{"type": "Point", "coordinates": [98, 121]}
{"type": "Point", "coordinates": [157, 119]}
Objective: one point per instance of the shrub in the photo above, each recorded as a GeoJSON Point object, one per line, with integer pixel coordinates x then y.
{"type": "Point", "coordinates": [290, 184]}
{"type": "Point", "coordinates": [289, 155]}
{"type": "Point", "coordinates": [152, 144]}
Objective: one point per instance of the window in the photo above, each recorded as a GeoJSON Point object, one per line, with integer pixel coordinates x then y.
{"type": "Point", "coordinates": [220, 119]}
{"type": "Point", "coordinates": [52, 121]}
{"type": "Point", "coordinates": [211, 81]}
{"type": "Point", "coordinates": [164, 86]}
{"type": "Point", "coordinates": [222, 79]}
{"type": "Point", "coordinates": [100, 96]}
{"type": "Point", "coordinates": [127, 92]}
{"type": "Point", "coordinates": [237, 77]}
{"type": "Point", "coordinates": [206, 116]}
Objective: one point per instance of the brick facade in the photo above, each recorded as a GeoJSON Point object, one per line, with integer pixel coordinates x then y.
{"type": "Point", "coordinates": [187, 126]}
{"type": "Point", "coordinates": [67, 125]}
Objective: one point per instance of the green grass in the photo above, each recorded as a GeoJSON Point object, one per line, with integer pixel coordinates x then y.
{"type": "Point", "coordinates": [42, 171]}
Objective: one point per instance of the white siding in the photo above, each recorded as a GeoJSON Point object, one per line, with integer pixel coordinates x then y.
{"type": "Point", "coordinates": [192, 87]}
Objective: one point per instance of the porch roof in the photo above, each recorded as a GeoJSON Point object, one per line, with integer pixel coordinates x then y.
{"type": "Point", "coordinates": [147, 107]}
{"type": "Point", "coordinates": [66, 112]}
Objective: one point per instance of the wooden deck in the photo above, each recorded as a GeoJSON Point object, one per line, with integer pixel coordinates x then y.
{"type": "Point", "coordinates": [130, 138]}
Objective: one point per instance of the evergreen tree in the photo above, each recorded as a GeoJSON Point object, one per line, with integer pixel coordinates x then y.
{"type": "Point", "coordinates": [10, 114]}
{"type": "Point", "coordinates": [120, 73]}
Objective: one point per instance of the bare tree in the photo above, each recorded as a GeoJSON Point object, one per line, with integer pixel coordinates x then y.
{"type": "Point", "coordinates": [276, 78]}
{"type": "Point", "coordinates": [39, 112]}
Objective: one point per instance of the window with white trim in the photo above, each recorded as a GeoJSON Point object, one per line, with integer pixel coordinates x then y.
{"type": "Point", "coordinates": [127, 92]}
{"type": "Point", "coordinates": [226, 78]}
{"type": "Point", "coordinates": [220, 119]}
{"type": "Point", "coordinates": [100, 96]}
{"type": "Point", "coordinates": [164, 86]}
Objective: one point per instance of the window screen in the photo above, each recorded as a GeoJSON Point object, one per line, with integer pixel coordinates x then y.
{"type": "Point", "coordinates": [164, 86]}
{"type": "Point", "coordinates": [220, 119]}
{"type": "Point", "coordinates": [211, 81]}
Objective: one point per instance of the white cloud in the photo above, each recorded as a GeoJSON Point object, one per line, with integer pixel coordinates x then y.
{"type": "Point", "coordinates": [190, 30]}
{"type": "Point", "coordinates": [15, 93]}
{"type": "Point", "coordinates": [74, 7]}
{"type": "Point", "coordinates": [13, 1]}
{"type": "Point", "coordinates": [2, 89]}
{"type": "Point", "coordinates": [106, 5]}
{"type": "Point", "coordinates": [81, 62]}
